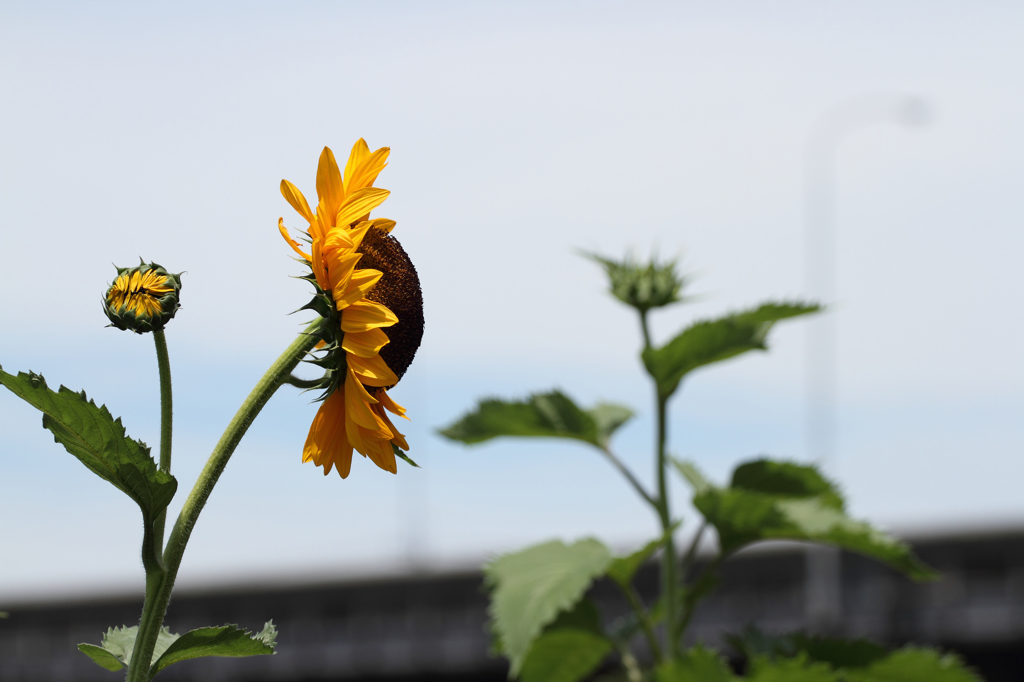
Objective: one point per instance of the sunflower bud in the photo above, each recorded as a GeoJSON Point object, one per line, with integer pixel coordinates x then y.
{"type": "Point", "coordinates": [143, 298]}
{"type": "Point", "coordinates": [642, 285]}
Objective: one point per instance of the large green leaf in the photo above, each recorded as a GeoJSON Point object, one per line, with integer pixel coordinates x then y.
{"type": "Point", "coordinates": [531, 587]}
{"type": "Point", "coordinates": [697, 665]}
{"type": "Point", "coordinates": [115, 649]}
{"type": "Point", "coordinates": [781, 505]}
{"type": "Point", "coordinates": [98, 440]}
{"type": "Point", "coordinates": [753, 642]}
{"type": "Point", "coordinates": [544, 414]}
{"type": "Point", "coordinates": [569, 649]}
{"type": "Point", "coordinates": [710, 341]}
{"type": "Point", "coordinates": [914, 665]}
{"type": "Point", "coordinates": [224, 641]}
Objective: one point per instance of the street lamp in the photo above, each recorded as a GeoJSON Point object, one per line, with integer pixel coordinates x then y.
{"type": "Point", "coordinates": [823, 597]}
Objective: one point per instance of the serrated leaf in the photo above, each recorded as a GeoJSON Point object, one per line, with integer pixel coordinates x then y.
{"type": "Point", "coordinates": [798, 669]}
{"type": "Point", "coordinates": [912, 664]}
{"type": "Point", "coordinates": [98, 440]}
{"type": "Point", "coordinates": [531, 587]}
{"type": "Point", "coordinates": [786, 478]}
{"type": "Point", "coordinates": [697, 665]}
{"type": "Point", "coordinates": [564, 655]}
{"type": "Point", "coordinates": [552, 415]}
{"type": "Point", "coordinates": [115, 650]}
{"type": "Point", "coordinates": [225, 641]}
{"type": "Point", "coordinates": [710, 341]}
{"type": "Point", "coordinates": [622, 569]}
{"type": "Point", "coordinates": [743, 515]}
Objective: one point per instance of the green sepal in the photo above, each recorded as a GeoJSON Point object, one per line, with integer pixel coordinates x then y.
{"type": "Point", "coordinates": [551, 414]}
{"type": "Point", "coordinates": [786, 501]}
{"type": "Point", "coordinates": [710, 341]}
{"type": "Point", "coordinates": [98, 440]}
{"type": "Point", "coordinates": [643, 286]}
{"type": "Point", "coordinates": [531, 587]}
{"type": "Point", "coordinates": [400, 453]}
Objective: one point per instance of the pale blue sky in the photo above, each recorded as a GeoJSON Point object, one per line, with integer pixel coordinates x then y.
{"type": "Point", "coordinates": [519, 132]}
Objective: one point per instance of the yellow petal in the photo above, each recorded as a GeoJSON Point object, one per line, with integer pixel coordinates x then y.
{"type": "Point", "coordinates": [396, 437]}
{"type": "Point", "coordinates": [360, 203]}
{"type": "Point", "coordinates": [365, 344]}
{"type": "Point", "coordinates": [384, 225]}
{"type": "Point", "coordinates": [360, 150]}
{"type": "Point", "coordinates": [372, 371]}
{"type": "Point", "coordinates": [389, 404]}
{"type": "Point", "coordinates": [295, 198]}
{"type": "Point", "coordinates": [365, 173]}
{"type": "Point", "coordinates": [327, 442]}
{"type": "Point", "coordinates": [329, 187]}
{"type": "Point", "coordinates": [364, 315]}
{"type": "Point", "coordinates": [288, 238]}
{"type": "Point", "coordinates": [358, 286]}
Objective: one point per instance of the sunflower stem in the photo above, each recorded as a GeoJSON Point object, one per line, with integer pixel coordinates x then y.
{"type": "Point", "coordinates": [166, 428]}
{"type": "Point", "coordinates": [160, 582]}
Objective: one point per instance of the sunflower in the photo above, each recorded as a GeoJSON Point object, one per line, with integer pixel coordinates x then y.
{"type": "Point", "coordinates": [368, 291]}
{"type": "Point", "coordinates": [143, 298]}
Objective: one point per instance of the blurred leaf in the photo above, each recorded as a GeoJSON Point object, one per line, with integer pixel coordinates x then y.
{"type": "Point", "coordinates": [98, 440]}
{"type": "Point", "coordinates": [752, 643]}
{"type": "Point", "coordinates": [224, 641]}
{"type": "Point", "coordinates": [608, 417]}
{"type": "Point", "coordinates": [642, 285]}
{"type": "Point", "coordinates": [914, 665]}
{"type": "Point", "coordinates": [786, 478]}
{"type": "Point", "coordinates": [710, 341]}
{"type": "Point", "coordinates": [693, 475]}
{"type": "Point", "coordinates": [115, 650]}
{"type": "Point", "coordinates": [799, 669]}
{"type": "Point", "coordinates": [544, 414]}
{"type": "Point", "coordinates": [697, 665]}
{"type": "Point", "coordinates": [564, 655]}
{"type": "Point", "coordinates": [531, 587]}
{"type": "Point", "coordinates": [743, 515]}
{"type": "Point", "coordinates": [622, 569]}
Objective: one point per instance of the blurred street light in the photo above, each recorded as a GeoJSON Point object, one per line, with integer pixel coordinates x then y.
{"type": "Point", "coordinates": [823, 601]}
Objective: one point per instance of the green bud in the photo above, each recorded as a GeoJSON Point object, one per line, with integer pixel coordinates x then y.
{"type": "Point", "coordinates": [143, 298]}
{"type": "Point", "coordinates": [642, 285]}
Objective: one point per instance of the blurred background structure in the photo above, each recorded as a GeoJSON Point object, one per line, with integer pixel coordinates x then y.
{"type": "Point", "coordinates": [519, 132]}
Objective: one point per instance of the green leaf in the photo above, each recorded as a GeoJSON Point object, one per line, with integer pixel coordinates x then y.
{"type": "Point", "coordinates": [752, 642]}
{"type": "Point", "coordinates": [697, 665]}
{"type": "Point", "coordinates": [710, 341]}
{"type": "Point", "coordinates": [115, 650]}
{"type": "Point", "coordinates": [564, 655]}
{"type": "Point", "coordinates": [622, 569]}
{"type": "Point", "coordinates": [98, 440]}
{"type": "Point", "coordinates": [544, 414]}
{"type": "Point", "coordinates": [759, 511]}
{"type": "Point", "coordinates": [799, 669]}
{"type": "Point", "coordinates": [224, 641]}
{"type": "Point", "coordinates": [531, 587]}
{"type": "Point", "coordinates": [786, 478]}
{"type": "Point", "coordinates": [914, 665]}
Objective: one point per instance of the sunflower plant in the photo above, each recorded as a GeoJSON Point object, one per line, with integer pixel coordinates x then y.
{"type": "Point", "coordinates": [368, 327]}
{"type": "Point", "coordinates": [540, 616]}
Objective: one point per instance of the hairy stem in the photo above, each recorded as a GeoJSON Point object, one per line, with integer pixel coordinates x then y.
{"type": "Point", "coordinates": [158, 587]}
{"type": "Point", "coordinates": [669, 580]}
{"type": "Point", "coordinates": [166, 428]}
